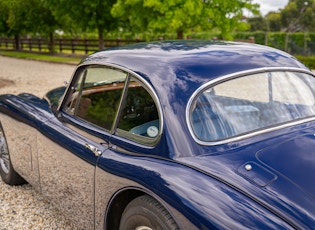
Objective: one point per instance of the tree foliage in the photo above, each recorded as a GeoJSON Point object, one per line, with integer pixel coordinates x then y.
{"type": "Point", "coordinates": [258, 23]}
{"type": "Point", "coordinates": [26, 16]}
{"type": "Point", "coordinates": [13, 14]}
{"type": "Point", "coordinates": [86, 15]}
{"type": "Point", "coordinates": [4, 15]}
{"type": "Point", "coordinates": [181, 16]}
{"type": "Point", "coordinates": [296, 16]}
{"type": "Point", "coordinates": [273, 20]}
{"type": "Point", "coordinates": [299, 15]}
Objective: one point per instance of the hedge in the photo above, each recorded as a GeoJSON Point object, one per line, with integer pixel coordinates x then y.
{"type": "Point", "coordinates": [308, 61]}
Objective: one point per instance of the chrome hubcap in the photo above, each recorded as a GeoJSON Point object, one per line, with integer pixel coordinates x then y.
{"type": "Point", "coordinates": [143, 228]}
{"type": "Point", "coordinates": [4, 155]}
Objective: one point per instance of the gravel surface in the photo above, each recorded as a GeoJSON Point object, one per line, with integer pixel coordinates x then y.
{"type": "Point", "coordinates": [21, 207]}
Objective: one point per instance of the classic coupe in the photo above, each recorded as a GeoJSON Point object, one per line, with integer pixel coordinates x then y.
{"type": "Point", "coordinates": [171, 135]}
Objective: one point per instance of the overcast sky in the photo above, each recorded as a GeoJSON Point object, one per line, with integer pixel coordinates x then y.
{"type": "Point", "coordinates": [270, 5]}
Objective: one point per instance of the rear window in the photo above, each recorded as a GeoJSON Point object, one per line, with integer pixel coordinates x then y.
{"type": "Point", "coordinates": [250, 103]}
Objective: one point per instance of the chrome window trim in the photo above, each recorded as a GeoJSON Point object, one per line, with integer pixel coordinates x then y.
{"type": "Point", "coordinates": [119, 109]}
{"type": "Point", "coordinates": [129, 74]}
{"type": "Point", "coordinates": [230, 77]}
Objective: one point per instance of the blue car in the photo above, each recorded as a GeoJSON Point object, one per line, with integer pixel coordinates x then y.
{"type": "Point", "coordinates": [171, 135]}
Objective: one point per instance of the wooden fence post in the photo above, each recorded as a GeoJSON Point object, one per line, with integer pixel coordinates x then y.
{"type": "Point", "coordinates": [86, 46]}
{"type": "Point", "coordinates": [39, 40]}
{"type": "Point", "coordinates": [30, 44]}
{"type": "Point", "coordinates": [72, 46]}
{"type": "Point", "coordinates": [286, 42]}
{"type": "Point", "coordinates": [118, 41]}
{"type": "Point", "coordinates": [17, 42]}
{"type": "Point", "coordinates": [305, 43]}
{"type": "Point", "coordinates": [21, 45]}
{"type": "Point", "coordinates": [51, 43]}
{"type": "Point", "coordinates": [266, 38]}
{"type": "Point", "coordinates": [60, 45]}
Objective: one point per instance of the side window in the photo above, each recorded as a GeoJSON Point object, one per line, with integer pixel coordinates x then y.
{"type": "Point", "coordinates": [247, 88]}
{"type": "Point", "coordinates": [96, 95]}
{"type": "Point", "coordinates": [249, 103]}
{"type": "Point", "coordinates": [139, 118]}
{"type": "Point", "coordinates": [291, 89]}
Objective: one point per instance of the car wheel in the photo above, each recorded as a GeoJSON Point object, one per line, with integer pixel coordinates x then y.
{"type": "Point", "coordinates": [8, 174]}
{"type": "Point", "coordinates": [145, 213]}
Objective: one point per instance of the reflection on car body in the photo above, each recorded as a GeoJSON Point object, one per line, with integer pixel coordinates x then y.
{"type": "Point", "coordinates": [171, 135]}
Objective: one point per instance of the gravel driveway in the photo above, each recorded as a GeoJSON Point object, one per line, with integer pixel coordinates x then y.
{"type": "Point", "coordinates": [20, 206]}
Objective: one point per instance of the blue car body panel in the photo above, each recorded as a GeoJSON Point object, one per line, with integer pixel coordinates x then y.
{"type": "Point", "coordinates": [208, 186]}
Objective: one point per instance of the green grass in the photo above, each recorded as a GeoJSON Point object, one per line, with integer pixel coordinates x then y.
{"type": "Point", "coordinates": [70, 59]}
{"type": "Point", "coordinates": [42, 57]}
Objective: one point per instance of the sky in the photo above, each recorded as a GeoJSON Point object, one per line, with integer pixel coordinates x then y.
{"type": "Point", "coordinates": [270, 5]}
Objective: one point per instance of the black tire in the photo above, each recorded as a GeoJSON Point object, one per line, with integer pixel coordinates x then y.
{"type": "Point", "coordinates": [145, 213]}
{"type": "Point", "coordinates": [8, 174]}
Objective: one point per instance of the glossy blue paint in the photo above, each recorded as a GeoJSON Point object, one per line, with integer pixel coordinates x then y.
{"type": "Point", "coordinates": [198, 196]}
{"type": "Point", "coordinates": [284, 196]}
{"type": "Point", "coordinates": [298, 153]}
{"type": "Point", "coordinates": [26, 107]}
{"type": "Point", "coordinates": [208, 185]}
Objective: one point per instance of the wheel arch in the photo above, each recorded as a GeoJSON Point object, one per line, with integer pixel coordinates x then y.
{"type": "Point", "coordinates": [120, 200]}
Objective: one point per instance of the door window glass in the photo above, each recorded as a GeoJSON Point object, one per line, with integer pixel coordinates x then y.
{"type": "Point", "coordinates": [96, 95]}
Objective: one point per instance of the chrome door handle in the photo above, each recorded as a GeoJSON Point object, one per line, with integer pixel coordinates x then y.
{"type": "Point", "coordinates": [95, 150]}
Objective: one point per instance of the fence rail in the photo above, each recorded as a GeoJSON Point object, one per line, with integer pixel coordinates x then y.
{"type": "Point", "coordinates": [297, 44]}
{"type": "Point", "coordinates": [74, 46]}
{"type": "Point", "coordinates": [293, 43]}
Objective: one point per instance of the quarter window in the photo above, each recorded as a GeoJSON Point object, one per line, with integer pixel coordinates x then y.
{"type": "Point", "coordinates": [139, 118]}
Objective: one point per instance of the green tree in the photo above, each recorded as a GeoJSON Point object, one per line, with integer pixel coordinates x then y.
{"type": "Point", "coordinates": [86, 15]}
{"type": "Point", "coordinates": [274, 21]}
{"type": "Point", "coordinates": [181, 16]}
{"type": "Point", "coordinates": [13, 15]}
{"type": "Point", "coordinates": [258, 23]}
{"type": "Point", "coordinates": [298, 15]}
{"type": "Point", "coordinates": [20, 17]}
{"type": "Point", "coordinates": [40, 20]}
{"type": "Point", "coordinates": [4, 15]}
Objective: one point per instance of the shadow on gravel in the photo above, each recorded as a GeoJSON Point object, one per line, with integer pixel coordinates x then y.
{"type": "Point", "coordinates": [4, 82]}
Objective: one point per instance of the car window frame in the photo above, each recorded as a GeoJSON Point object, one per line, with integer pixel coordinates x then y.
{"type": "Point", "coordinates": [229, 77]}
{"type": "Point", "coordinates": [150, 142]}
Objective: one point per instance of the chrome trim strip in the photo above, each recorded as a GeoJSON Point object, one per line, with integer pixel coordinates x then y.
{"type": "Point", "coordinates": [122, 99]}
{"type": "Point", "coordinates": [236, 75]}
{"type": "Point", "coordinates": [129, 72]}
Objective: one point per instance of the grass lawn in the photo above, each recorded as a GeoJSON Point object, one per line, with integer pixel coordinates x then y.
{"type": "Point", "coordinates": [42, 57]}
{"type": "Point", "coordinates": [309, 61]}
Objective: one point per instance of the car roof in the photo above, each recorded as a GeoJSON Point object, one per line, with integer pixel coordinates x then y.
{"type": "Point", "coordinates": [184, 65]}
{"type": "Point", "coordinates": [211, 58]}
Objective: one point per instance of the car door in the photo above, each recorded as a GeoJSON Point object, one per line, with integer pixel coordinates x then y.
{"type": "Point", "coordinates": [73, 141]}
{"type": "Point", "coordinates": [137, 132]}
